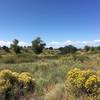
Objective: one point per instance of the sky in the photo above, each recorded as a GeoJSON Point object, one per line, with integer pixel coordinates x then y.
{"type": "Point", "coordinates": [57, 22]}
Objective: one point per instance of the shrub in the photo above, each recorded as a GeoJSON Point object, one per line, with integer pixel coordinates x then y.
{"type": "Point", "coordinates": [6, 48]}
{"type": "Point", "coordinates": [83, 81]}
{"type": "Point", "coordinates": [92, 84]}
{"type": "Point", "coordinates": [12, 83]}
{"type": "Point", "coordinates": [26, 81]}
{"type": "Point", "coordinates": [4, 85]}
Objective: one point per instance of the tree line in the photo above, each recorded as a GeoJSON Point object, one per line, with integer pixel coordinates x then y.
{"type": "Point", "coordinates": [38, 46]}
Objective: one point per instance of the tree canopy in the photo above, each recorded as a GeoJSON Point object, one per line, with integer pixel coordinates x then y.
{"type": "Point", "coordinates": [16, 48]}
{"type": "Point", "coordinates": [38, 45]}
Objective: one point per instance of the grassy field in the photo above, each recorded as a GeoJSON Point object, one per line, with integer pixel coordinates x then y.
{"type": "Point", "coordinates": [50, 73]}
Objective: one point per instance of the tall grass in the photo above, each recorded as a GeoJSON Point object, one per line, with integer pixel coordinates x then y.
{"type": "Point", "coordinates": [50, 71]}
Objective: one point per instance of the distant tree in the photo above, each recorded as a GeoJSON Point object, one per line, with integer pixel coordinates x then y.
{"type": "Point", "coordinates": [80, 49]}
{"type": "Point", "coordinates": [61, 48]}
{"type": "Point", "coordinates": [92, 48]}
{"type": "Point", "coordinates": [25, 47]}
{"type": "Point", "coordinates": [6, 48]}
{"type": "Point", "coordinates": [68, 49]}
{"type": "Point", "coordinates": [87, 48]}
{"type": "Point", "coordinates": [29, 47]}
{"type": "Point", "coordinates": [98, 48]}
{"type": "Point", "coordinates": [50, 48]}
{"type": "Point", "coordinates": [15, 47]}
{"type": "Point", "coordinates": [72, 49]}
{"type": "Point", "coordinates": [38, 45]}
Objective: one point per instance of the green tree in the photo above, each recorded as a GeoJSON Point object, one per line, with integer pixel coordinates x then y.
{"type": "Point", "coordinates": [15, 47]}
{"type": "Point", "coordinates": [86, 48]}
{"type": "Point", "coordinates": [68, 49]}
{"type": "Point", "coordinates": [97, 48]}
{"type": "Point", "coordinates": [92, 48]}
{"type": "Point", "coordinates": [6, 48]}
{"type": "Point", "coordinates": [38, 45]}
{"type": "Point", "coordinates": [50, 48]}
{"type": "Point", "coordinates": [72, 49]}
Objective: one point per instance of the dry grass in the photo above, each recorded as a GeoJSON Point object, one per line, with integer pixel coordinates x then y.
{"type": "Point", "coordinates": [50, 75]}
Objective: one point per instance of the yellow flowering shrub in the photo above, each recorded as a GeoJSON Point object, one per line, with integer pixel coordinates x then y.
{"type": "Point", "coordinates": [15, 74]}
{"type": "Point", "coordinates": [4, 85]}
{"type": "Point", "coordinates": [5, 74]}
{"type": "Point", "coordinates": [25, 79]}
{"type": "Point", "coordinates": [9, 75]}
{"type": "Point", "coordinates": [12, 82]}
{"type": "Point", "coordinates": [91, 84]}
{"type": "Point", "coordinates": [86, 81]}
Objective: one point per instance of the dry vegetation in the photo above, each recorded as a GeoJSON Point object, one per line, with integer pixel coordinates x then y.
{"type": "Point", "coordinates": [54, 76]}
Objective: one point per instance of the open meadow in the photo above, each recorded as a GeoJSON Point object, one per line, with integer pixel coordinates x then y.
{"type": "Point", "coordinates": [50, 74]}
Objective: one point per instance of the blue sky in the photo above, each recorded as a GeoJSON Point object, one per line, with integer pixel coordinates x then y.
{"type": "Point", "coordinates": [52, 20]}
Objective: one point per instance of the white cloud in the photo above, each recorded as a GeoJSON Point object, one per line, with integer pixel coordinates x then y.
{"type": "Point", "coordinates": [97, 41]}
{"type": "Point", "coordinates": [24, 44]}
{"type": "Point", "coordinates": [75, 43]}
{"type": "Point", "coordinates": [7, 43]}
{"type": "Point", "coordinates": [54, 42]}
{"type": "Point", "coordinates": [68, 42]}
{"type": "Point", "coordinates": [90, 43]}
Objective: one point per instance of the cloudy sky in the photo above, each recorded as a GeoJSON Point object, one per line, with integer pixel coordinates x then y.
{"type": "Point", "coordinates": [57, 22]}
